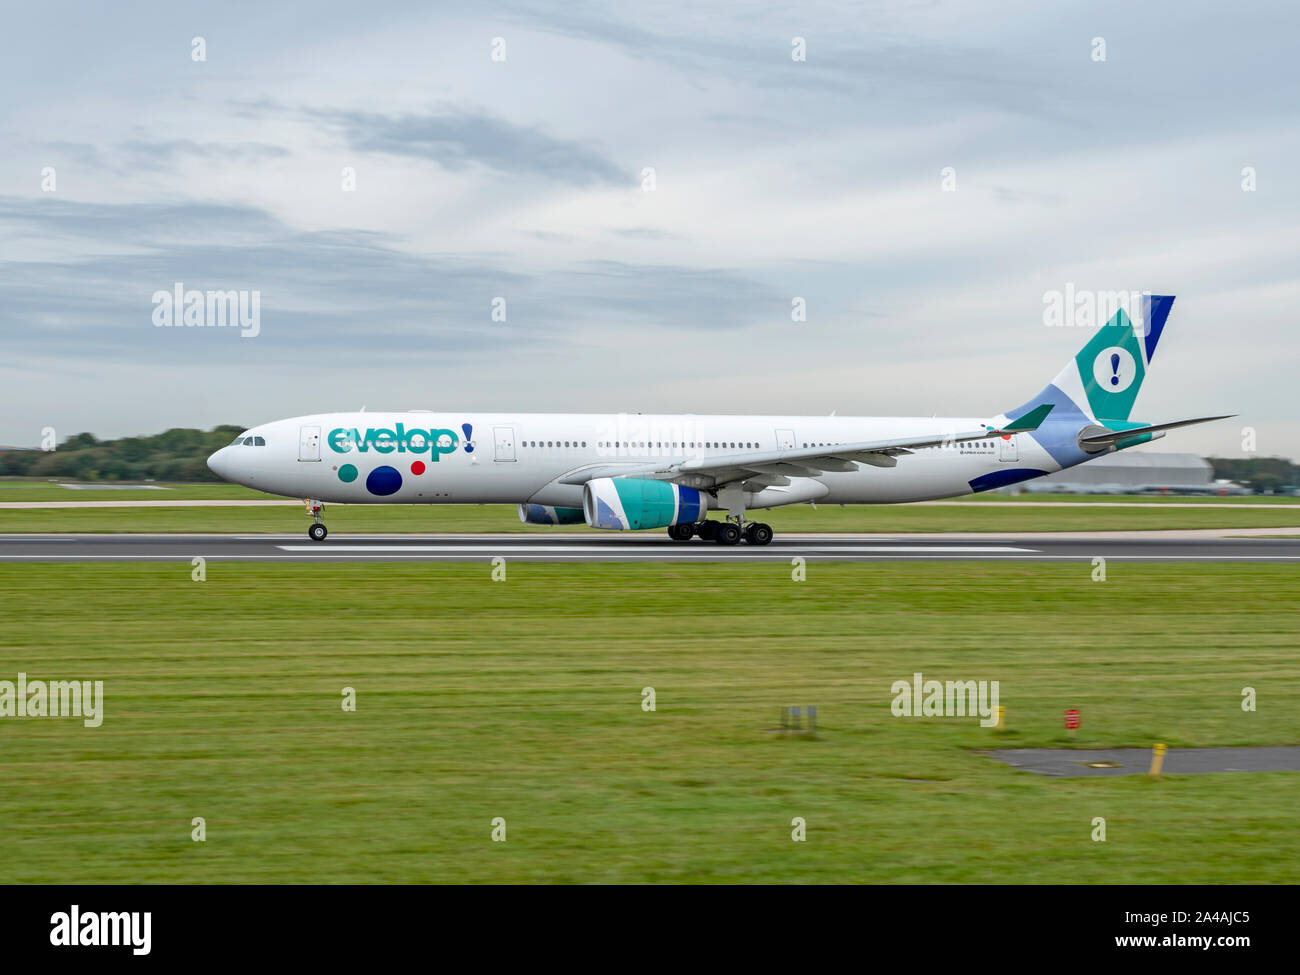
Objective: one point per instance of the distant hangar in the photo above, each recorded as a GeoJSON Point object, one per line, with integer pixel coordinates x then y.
{"type": "Point", "coordinates": [1134, 472]}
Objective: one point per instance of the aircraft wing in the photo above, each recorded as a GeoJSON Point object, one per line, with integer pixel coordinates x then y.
{"type": "Point", "coordinates": [800, 462]}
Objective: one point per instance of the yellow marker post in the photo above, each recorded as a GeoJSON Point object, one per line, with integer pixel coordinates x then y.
{"type": "Point", "coordinates": [1002, 714]}
{"type": "Point", "coordinates": [1157, 758]}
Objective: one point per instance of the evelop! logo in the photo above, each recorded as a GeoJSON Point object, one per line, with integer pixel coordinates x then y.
{"type": "Point", "coordinates": [385, 441]}
{"type": "Point", "coordinates": [386, 480]}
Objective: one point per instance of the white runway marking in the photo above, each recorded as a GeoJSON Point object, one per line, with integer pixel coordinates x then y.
{"type": "Point", "coordinates": [742, 555]}
{"type": "Point", "coordinates": [607, 550]}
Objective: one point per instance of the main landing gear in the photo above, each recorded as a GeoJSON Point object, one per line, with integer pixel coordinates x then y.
{"type": "Point", "coordinates": [317, 531]}
{"type": "Point", "coordinates": [723, 532]}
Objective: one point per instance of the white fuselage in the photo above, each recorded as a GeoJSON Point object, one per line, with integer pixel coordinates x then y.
{"type": "Point", "coordinates": [524, 457]}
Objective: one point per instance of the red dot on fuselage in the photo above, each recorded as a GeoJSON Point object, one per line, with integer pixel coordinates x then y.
{"type": "Point", "coordinates": [417, 467]}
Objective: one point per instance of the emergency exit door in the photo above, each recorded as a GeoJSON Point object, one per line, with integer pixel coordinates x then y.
{"type": "Point", "coordinates": [1007, 450]}
{"type": "Point", "coordinates": [505, 444]}
{"type": "Point", "coordinates": [785, 440]}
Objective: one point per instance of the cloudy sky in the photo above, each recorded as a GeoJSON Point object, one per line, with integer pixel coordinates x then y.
{"type": "Point", "coordinates": [522, 178]}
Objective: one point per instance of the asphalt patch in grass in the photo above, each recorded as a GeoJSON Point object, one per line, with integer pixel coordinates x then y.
{"type": "Point", "coordinates": [1074, 762]}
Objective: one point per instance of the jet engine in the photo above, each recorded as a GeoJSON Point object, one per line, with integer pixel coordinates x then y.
{"type": "Point", "coordinates": [628, 503]}
{"type": "Point", "coordinates": [545, 514]}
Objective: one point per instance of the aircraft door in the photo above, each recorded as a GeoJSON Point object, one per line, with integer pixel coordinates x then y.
{"type": "Point", "coordinates": [505, 444]}
{"type": "Point", "coordinates": [309, 443]}
{"type": "Point", "coordinates": [1008, 452]}
{"type": "Point", "coordinates": [785, 440]}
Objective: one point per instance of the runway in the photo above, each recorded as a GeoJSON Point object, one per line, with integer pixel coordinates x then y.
{"type": "Point", "coordinates": [1175, 546]}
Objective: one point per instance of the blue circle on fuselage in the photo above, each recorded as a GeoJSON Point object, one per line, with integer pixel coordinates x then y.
{"type": "Point", "coordinates": [384, 481]}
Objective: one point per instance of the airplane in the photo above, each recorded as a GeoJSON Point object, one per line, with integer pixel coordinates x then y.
{"type": "Point", "coordinates": [630, 472]}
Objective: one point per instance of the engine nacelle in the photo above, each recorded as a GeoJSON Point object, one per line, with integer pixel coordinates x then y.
{"type": "Point", "coordinates": [629, 503]}
{"type": "Point", "coordinates": [545, 514]}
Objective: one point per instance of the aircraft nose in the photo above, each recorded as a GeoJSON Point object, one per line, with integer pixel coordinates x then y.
{"type": "Point", "coordinates": [219, 463]}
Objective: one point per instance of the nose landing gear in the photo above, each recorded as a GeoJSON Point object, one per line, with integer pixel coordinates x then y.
{"type": "Point", "coordinates": [317, 531]}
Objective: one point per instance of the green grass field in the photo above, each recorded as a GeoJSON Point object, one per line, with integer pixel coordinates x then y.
{"type": "Point", "coordinates": [1157, 514]}
{"type": "Point", "coordinates": [521, 699]}
{"type": "Point", "coordinates": [33, 489]}
{"type": "Point", "coordinates": [389, 519]}
{"type": "Point", "coordinates": [1240, 512]}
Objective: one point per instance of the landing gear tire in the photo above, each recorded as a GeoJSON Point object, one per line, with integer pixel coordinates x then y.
{"type": "Point", "coordinates": [316, 509]}
{"type": "Point", "coordinates": [727, 533]}
{"type": "Point", "coordinates": [757, 533]}
{"type": "Point", "coordinates": [681, 533]}
{"type": "Point", "coordinates": [707, 530]}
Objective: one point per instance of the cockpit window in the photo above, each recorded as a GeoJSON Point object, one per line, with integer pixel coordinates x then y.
{"type": "Point", "coordinates": [259, 441]}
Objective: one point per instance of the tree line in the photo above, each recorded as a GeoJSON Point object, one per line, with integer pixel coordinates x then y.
{"type": "Point", "coordinates": [176, 455]}
{"type": "Point", "coordinates": [1263, 475]}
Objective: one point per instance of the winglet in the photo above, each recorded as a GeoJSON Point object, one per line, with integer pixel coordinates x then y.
{"type": "Point", "coordinates": [1030, 421]}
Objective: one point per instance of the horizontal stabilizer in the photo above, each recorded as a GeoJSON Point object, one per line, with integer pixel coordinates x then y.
{"type": "Point", "coordinates": [1102, 437]}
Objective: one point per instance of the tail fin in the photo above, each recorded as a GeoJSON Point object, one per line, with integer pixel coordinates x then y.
{"type": "Point", "coordinates": [1093, 395]}
{"type": "Point", "coordinates": [1104, 378]}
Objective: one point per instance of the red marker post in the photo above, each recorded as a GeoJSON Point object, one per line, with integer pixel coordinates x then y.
{"type": "Point", "coordinates": [1071, 721]}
